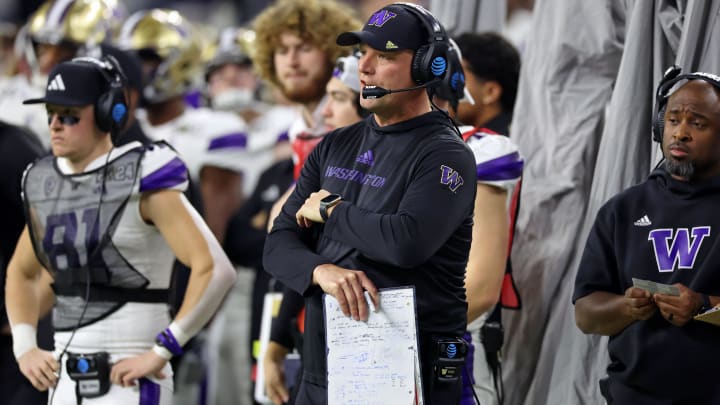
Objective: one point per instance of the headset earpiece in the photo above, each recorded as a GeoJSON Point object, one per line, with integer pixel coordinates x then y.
{"type": "Point", "coordinates": [659, 123]}
{"type": "Point", "coordinates": [661, 96]}
{"type": "Point", "coordinates": [111, 111]}
{"type": "Point", "coordinates": [430, 60]}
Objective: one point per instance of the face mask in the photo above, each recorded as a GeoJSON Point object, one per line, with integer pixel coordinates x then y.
{"type": "Point", "coordinates": [233, 100]}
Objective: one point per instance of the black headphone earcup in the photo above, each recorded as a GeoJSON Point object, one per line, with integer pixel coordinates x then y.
{"type": "Point", "coordinates": [111, 111]}
{"type": "Point", "coordinates": [457, 84]}
{"type": "Point", "coordinates": [102, 117]}
{"type": "Point", "coordinates": [429, 60]}
{"type": "Point", "coordinates": [429, 63]}
{"type": "Point", "coordinates": [119, 110]}
{"type": "Point", "coordinates": [437, 60]}
{"type": "Point", "coordinates": [658, 126]}
{"type": "Point", "coordinates": [420, 68]}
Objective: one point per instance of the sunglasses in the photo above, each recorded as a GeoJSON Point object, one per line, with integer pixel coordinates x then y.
{"type": "Point", "coordinates": [64, 119]}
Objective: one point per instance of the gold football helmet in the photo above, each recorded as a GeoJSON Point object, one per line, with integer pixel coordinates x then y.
{"type": "Point", "coordinates": [78, 22]}
{"type": "Point", "coordinates": [167, 38]}
{"type": "Point", "coordinates": [76, 27]}
{"type": "Point", "coordinates": [232, 45]}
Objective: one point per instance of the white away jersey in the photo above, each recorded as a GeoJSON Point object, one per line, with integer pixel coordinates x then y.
{"type": "Point", "coordinates": [264, 133]}
{"type": "Point", "coordinates": [498, 163]}
{"type": "Point", "coordinates": [203, 137]}
{"type": "Point", "coordinates": [15, 89]}
{"type": "Point", "coordinates": [497, 160]}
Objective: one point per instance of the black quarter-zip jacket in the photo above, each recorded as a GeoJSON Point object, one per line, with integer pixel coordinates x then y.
{"type": "Point", "coordinates": [406, 219]}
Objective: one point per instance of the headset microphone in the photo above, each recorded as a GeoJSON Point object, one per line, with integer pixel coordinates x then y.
{"type": "Point", "coordinates": [372, 92]}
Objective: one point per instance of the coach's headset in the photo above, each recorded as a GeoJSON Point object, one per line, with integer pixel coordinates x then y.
{"type": "Point", "coordinates": [430, 60]}
{"type": "Point", "coordinates": [671, 77]}
{"type": "Point", "coordinates": [429, 64]}
{"type": "Point", "coordinates": [111, 111]}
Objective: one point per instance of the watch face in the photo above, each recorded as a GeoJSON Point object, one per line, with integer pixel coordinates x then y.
{"type": "Point", "coordinates": [330, 199]}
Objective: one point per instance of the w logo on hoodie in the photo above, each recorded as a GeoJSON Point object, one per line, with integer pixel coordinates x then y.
{"type": "Point", "coordinates": [677, 250]}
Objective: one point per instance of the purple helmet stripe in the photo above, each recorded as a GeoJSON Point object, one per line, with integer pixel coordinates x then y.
{"type": "Point", "coordinates": [56, 14]}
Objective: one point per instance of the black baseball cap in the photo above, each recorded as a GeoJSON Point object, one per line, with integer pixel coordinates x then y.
{"type": "Point", "coordinates": [73, 83]}
{"type": "Point", "coordinates": [392, 28]}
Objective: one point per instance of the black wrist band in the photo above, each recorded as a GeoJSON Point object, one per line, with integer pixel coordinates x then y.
{"type": "Point", "coordinates": [706, 305]}
{"type": "Point", "coordinates": [328, 202]}
{"type": "Point", "coordinates": [323, 213]}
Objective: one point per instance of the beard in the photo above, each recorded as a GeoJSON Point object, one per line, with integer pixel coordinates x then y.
{"type": "Point", "coordinates": [311, 90]}
{"type": "Point", "coordinates": [680, 169]}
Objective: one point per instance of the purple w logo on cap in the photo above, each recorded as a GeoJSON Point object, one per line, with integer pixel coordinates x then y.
{"type": "Point", "coordinates": [381, 17]}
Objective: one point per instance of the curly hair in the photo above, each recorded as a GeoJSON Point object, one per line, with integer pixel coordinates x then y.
{"type": "Point", "coordinates": [317, 21]}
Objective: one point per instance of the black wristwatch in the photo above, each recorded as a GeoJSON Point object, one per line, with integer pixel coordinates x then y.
{"type": "Point", "coordinates": [706, 305]}
{"type": "Point", "coordinates": [327, 202]}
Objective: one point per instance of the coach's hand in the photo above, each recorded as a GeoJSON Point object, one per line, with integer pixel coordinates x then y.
{"type": "Point", "coordinates": [348, 287]}
{"type": "Point", "coordinates": [309, 213]}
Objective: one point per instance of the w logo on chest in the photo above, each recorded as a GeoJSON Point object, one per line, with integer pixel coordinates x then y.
{"type": "Point", "coordinates": [677, 248]}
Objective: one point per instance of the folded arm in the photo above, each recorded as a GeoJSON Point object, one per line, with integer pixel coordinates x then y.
{"type": "Point", "coordinates": [431, 209]}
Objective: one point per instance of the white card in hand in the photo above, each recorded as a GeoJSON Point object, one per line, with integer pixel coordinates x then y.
{"type": "Point", "coordinates": [655, 288]}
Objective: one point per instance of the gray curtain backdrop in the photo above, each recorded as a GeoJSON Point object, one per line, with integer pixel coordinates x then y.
{"type": "Point", "coordinates": [582, 122]}
{"type": "Point", "coordinates": [459, 16]}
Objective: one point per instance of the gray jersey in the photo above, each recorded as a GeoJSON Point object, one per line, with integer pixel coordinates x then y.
{"type": "Point", "coordinates": [71, 223]}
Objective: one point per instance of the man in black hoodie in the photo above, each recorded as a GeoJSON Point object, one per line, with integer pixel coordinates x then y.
{"type": "Point", "coordinates": [663, 230]}
{"type": "Point", "coordinates": [386, 202]}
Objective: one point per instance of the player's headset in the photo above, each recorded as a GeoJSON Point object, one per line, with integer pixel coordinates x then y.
{"type": "Point", "coordinates": [671, 77]}
{"type": "Point", "coordinates": [111, 111]}
{"type": "Point", "coordinates": [430, 60]}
